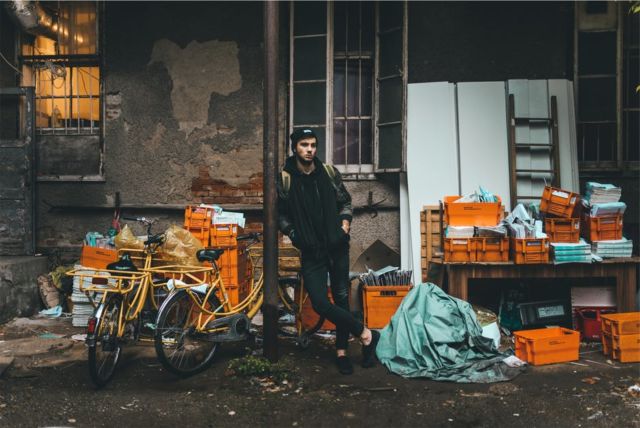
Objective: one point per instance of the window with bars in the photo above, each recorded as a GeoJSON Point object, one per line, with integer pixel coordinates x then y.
{"type": "Point", "coordinates": [605, 78]}
{"type": "Point", "coordinates": [353, 70]}
{"type": "Point", "coordinates": [64, 67]}
{"type": "Point", "coordinates": [348, 80]}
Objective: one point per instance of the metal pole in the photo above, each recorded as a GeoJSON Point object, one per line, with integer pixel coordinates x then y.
{"type": "Point", "coordinates": [270, 165]}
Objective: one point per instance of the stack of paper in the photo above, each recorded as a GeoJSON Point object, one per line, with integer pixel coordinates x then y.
{"type": "Point", "coordinates": [82, 307]}
{"type": "Point", "coordinates": [564, 252]}
{"type": "Point", "coordinates": [597, 193]}
{"type": "Point", "coordinates": [459, 231]}
{"type": "Point", "coordinates": [499, 231]}
{"type": "Point", "coordinates": [605, 209]}
{"type": "Point", "coordinates": [612, 249]}
{"type": "Point", "coordinates": [229, 217]}
{"type": "Point", "coordinates": [389, 275]}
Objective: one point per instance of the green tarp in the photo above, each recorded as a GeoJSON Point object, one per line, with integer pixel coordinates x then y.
{"type": "Point", "coordinates": [437, 336]}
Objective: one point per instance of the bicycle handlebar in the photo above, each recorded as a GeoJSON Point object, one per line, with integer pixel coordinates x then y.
{"type": "Point", "coordinates": [139, 219]}
{"type": "Point", "coordinates": [253, 235]}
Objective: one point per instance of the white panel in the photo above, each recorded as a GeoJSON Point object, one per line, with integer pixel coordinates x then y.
{"type": "Point", "coordinates": [563, 91]}
{"type": "Point", "coordinates": [432, 159]}
{"type": "Point", "coordinates": [406, 260]}
{"type": "Point", "coordinates": [482, 127]}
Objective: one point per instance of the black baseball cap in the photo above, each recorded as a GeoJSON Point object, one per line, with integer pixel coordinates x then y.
{"type": "Point", "coordinates": [299, 134]}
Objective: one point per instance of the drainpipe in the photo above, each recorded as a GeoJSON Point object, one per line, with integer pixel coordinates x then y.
{"type": "Point", "coordinates": [32, 18]}
{"type": "Point", "coordinates": [270, 164]}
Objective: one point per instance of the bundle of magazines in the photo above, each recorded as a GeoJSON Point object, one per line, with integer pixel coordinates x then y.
{"type": "Point", "coordinates": [386, 276]}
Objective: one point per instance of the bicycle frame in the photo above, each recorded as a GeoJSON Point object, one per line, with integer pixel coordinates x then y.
{"type": "Point", "coordinates": [191, 277]}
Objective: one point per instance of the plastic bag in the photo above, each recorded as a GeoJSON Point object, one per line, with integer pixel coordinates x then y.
{"type": "Point", "coordinates": [180, 246]}
{"type": "Point", "coordinates": [126, 239]}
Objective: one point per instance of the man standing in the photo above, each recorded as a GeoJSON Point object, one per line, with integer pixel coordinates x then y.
{"type": "Point", "coordinates": [314, 210]}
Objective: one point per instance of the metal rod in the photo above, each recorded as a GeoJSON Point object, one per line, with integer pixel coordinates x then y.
{"type": "Point", "coordinates": [270, 165]}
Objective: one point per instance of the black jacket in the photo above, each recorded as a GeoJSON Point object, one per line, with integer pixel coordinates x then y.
{"type": "Point", "coordinates": [313, 207]}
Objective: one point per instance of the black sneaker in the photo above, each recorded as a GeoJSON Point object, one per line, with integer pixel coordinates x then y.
{"type": "Point", "coordinates": [369, 351]}
{"type": "Point", "coordinates": [344, 365]}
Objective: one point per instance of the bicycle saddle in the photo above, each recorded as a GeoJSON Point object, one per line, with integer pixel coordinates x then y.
{"type": "Point", "coordinates": [209, 255]}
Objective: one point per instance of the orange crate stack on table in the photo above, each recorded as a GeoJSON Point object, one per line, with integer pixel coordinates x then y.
{"type": "Point", "coordinates": [474, 214]}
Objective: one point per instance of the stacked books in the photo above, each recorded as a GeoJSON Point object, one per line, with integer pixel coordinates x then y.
{"type": "Point", "coordinates": [614, 248]}
{"type": "Point", "coordinates": [566, 252]}
{"type": "Point", "coordinates": [82, 307]}
{"type": "Point", "coordinates": [597, 193]}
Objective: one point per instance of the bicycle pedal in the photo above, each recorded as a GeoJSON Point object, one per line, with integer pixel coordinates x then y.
{"type": "Point", "coordinates": [236, 327]}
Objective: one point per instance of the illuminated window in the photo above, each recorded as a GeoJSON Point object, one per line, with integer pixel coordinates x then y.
{"type": "Point", "coordinates": [63, 64]}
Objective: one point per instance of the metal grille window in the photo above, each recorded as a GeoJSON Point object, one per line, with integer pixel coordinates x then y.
{"type": "Point", "coordinates": [67, 98]}
{"type": "Point", "coordinates": [348, 82]}
{"type": "Point", "coordinates": [631, 80]}
{"type": "Point", "coordinates": [63, 64]}
{"type": "Point", "coordinates": [605, 75]}
{"type": "Point", "coordinates": [353, 69]}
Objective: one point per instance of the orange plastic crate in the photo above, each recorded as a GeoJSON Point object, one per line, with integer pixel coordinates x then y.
{"type": "Point", "coordinates": [381, 302]}
{"type": "Point", "coordinates": [460, 250]}
{"type": "Point", "coordinates": [529, 250]}
{"type": "Point", "coordinates": [472, 213]}
{"type": "Point", "coordinates": [562, 229]}
{"type": "Point", "coordinates": [233, 266]}
{"type": "Point", "coordinates": [547, 345]}
{"type": "Point", "coordinates": [624, 347]}
{"type": "Point", "coordinates": [225, 235]}
{"type": "Point", "coordinates": [561, 203]}
{"type": "Point", "coordinates": [607, 344]}
{"type": "Point", "coordinates": [96, 257]}
{"type": "Point", "coordinates": [201, 234]}
{"type": "Point", "coordinates": [308, 316]}
{"type": "Point", "coordinates": [605, 228]}
{"type": "Point", "coordinates": [198, 217]}
{"type": "Point", "coordinates": [628, 356]}
{"type": "Point", "coordinates": [621, 323]}
{"type": "Point", "coordinates": [492, 249]}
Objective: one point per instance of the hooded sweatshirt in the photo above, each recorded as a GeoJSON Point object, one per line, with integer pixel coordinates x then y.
{"type": "Point", "coordinates": [313, 208]}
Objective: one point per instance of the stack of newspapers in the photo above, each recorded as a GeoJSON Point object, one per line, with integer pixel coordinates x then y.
{"type": "Point", "coordinates": [564, 252]}
{"type": "Point", "coordinates": [612, 249]}
{"type": "Point", "coordinates": [597, 193]}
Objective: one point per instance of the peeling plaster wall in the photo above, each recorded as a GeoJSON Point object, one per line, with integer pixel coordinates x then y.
{"type": "Point", "coordinates": [183, 106]}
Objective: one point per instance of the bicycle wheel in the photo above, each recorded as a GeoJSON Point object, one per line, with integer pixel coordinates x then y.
{"type": "Point", "coordinates": [104, 345]}
{"type": "Point", "coordinates": [180, 348]}
{"type": "Point", "coordinates": [289, 295]}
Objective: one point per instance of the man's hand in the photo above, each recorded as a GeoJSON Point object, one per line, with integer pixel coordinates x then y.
{"type": "Point", "coordinates": [346, 226]}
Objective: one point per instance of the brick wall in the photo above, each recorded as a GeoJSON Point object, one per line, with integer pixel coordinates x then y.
{"type": "Point", "coordinates": [208, 190]}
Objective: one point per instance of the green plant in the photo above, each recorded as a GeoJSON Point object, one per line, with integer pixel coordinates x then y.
{"type": "Point", "coordinates": [257, 366]}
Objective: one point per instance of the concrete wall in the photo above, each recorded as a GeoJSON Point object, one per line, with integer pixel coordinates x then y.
{"type": "Point", "coordinates": [18, 286]}
{"type": "Point", "coordinates": [183, 86]}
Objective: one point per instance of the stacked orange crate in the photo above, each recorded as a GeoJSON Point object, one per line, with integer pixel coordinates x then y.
{"type": "Point", "coordinates": [197, 220]}
{"type": "Point", "coordinates": [602, 228]}
{"type": "Point", "coordinates": [621, 336]}
{"type": "Point", "coordinates": [473, 214]}
{"type": "Point", "coordinates": [561, 211]}
{"type": "Point", "coordinates": [530, 250]}
{"type": "Point", "coordinates": [233, 262]}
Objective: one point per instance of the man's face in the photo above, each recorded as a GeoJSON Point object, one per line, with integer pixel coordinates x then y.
{"type": "Point", "coordinates": [306, 149]}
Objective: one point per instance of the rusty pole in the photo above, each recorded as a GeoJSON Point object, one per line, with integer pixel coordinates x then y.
{"type": "Point", "coordinates": [270, 166]}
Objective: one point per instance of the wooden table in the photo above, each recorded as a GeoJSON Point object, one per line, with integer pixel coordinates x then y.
{"type": "Point", "coordinates": [623, 270]}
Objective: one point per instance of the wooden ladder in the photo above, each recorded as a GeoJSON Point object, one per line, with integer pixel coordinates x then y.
{"type": "Point", "coordinates": [514, 147]}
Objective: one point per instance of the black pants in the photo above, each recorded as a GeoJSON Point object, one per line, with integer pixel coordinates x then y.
{"type": "Point", "coordinates": [314, 273]}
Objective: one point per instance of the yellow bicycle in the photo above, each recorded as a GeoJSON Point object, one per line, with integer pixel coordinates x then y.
{"type": "Point", "coordinates": [197, 316]}
{"type": "Point", "coordinates": [120, 294]}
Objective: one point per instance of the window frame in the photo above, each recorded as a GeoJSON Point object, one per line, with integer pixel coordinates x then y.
{"type": "Point", "coordinates": [352, 171]}
{"type": "Point", "coordinates": [591, 24]}
{"type": "Point", "coordinates": [78, 60]}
